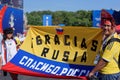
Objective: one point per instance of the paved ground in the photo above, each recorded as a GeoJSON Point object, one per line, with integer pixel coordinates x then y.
{"type": "Point", "coordinates": [22, 77]}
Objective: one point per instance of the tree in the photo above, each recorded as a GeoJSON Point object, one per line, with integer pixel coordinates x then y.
{"type": "Point", "coordinates": [78, 18]}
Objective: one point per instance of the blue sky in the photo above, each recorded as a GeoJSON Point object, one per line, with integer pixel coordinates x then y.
{"type": "Point", "coordinates": [70, 5]}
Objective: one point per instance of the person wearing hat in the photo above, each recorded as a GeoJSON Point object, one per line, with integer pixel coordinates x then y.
{"type": "Point", "coordinates": [9, 48]}
{"type": "Point", "coordinates": [107, 66]}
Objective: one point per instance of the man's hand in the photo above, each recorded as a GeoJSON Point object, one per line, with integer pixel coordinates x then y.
{"type": "Point", "coordinates": [91, 74]}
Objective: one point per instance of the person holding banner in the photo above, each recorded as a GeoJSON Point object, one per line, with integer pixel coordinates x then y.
{"type": "Point", "coordinates": [9, 49]}
{"type": "Point", "coordinates": [107, 66]}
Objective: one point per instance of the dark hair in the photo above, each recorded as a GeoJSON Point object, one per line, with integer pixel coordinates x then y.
{"type": "Point", "coordinates": [7, 31]}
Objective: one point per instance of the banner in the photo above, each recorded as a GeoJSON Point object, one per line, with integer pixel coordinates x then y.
{"type": "Point", "coordinates": [2, 12]}
{"type": "Point", "coordinates": [57, 52]}
{"type": "Point", "coordinates": [47, 20]}
{"type": "Point", "coordinates": [11, 17]}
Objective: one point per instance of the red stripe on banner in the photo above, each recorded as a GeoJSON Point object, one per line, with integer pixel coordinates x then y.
{"type": "Point", "coordinates": [59, 32]}
{"type": "Point", "coordinates": [9, 67]}
{"type": "Point", "coordinates": [2, 12]}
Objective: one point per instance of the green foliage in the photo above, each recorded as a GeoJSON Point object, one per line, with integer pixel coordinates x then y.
{"type": "Point", "coordinates": [78, 18]}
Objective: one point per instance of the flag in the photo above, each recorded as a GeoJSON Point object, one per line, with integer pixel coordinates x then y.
{"type": "Point", "coordinates": [59, 30]}
{"type": "Point", "coordinates": [47, 54]}
{"type": "Point", "coordinates": [11, 17]}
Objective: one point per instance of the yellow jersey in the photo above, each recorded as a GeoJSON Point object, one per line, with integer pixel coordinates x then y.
{"type": "Point", "coordinates": [111, 55]}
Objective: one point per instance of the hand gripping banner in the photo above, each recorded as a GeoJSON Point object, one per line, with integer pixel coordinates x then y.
{"type": "Point", "coordinates": [57, 52]}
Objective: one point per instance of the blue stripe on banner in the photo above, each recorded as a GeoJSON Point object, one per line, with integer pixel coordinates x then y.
{"type": "Point", "coordinates": [37, 64]}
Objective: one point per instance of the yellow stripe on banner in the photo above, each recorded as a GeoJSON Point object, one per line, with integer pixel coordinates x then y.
{"type": "Point", "coordinates": [75, 45]}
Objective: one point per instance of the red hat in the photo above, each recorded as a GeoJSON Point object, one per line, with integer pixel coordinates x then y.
{"type": "Point", "coordinates": [106, 16]}
{"type": "Point", "coordinates": [107, 22]}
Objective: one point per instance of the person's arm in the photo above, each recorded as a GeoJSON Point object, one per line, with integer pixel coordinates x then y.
{"type": "Point", "coordinates": [102, 63]}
